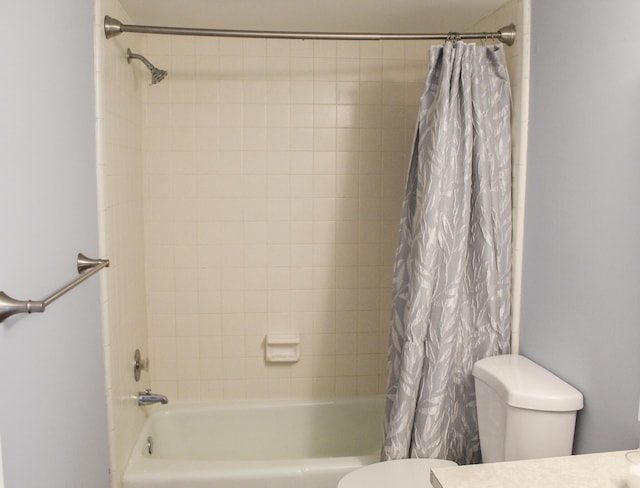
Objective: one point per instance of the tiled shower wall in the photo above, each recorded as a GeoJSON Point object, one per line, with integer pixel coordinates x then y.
{"type": "Point", "coordinates": [120, 209]}
{"type": "Point", "coordinates": [273, 180]}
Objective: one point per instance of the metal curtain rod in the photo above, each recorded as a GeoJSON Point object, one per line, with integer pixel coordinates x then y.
{"type": "Point", "coordinates": [113, 27]}
{"type": "Point", "coordinates": [86, 267]}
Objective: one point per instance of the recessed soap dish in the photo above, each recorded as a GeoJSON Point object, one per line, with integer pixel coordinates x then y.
{"type": "Point", "coordinates": [282, 348]}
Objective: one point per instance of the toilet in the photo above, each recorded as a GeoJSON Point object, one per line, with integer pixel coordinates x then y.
{"type": "Point", "coordinates": [400, 473]}
{"type": "Point", "coordinates": [524, 412]}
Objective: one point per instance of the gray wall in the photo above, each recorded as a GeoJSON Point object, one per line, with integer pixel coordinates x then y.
{"type": "Point", "coordinates": [581, 288]}
{"type": "Point", "coordinates": [52, 398]}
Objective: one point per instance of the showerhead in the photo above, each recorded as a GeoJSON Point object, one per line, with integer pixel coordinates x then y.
{"type": "Point", "coordinates": [157, 75]}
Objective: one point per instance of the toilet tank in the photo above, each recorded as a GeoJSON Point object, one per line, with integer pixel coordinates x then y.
{"type": "Point", "coordinates": [524, 411]}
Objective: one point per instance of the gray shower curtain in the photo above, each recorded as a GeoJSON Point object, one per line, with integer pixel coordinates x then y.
{"type": "Point", "coordinates": [451, 289]}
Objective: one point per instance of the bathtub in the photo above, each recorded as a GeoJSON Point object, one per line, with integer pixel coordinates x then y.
{"type": "Point", "coordinates": [256, 445]}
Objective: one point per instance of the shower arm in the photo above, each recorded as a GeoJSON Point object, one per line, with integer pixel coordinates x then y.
{"type": "Point", "coordinates": [113, 27]}
{"type": "Point", "coordinates": [139, 57]}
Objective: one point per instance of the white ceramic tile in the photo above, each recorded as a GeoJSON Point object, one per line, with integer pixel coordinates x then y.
{"type": "Point", "coordinates": [324, 92]}
{"type": "Point", "coordinates": [278, 48]}
{"type": "Point", "coordinates": [254, 47]}
{"type": "Point", "coordinates": [324, 69]}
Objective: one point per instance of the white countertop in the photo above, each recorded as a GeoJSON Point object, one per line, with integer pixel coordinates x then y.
{"type": "Point", "coordinates": [601, 470]}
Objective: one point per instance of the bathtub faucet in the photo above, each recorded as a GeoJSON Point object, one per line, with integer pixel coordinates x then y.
{"type": "Point", "coordinates": [148, 398]}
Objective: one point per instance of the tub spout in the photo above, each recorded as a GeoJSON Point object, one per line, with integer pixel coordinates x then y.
{"type": "Point", "coordinates": [148, 398]}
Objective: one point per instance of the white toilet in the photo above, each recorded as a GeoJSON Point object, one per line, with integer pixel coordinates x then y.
{"type": "Point", "coordinates": [524, 412]}
{"type": "Point", "coordinates": [401, 473]}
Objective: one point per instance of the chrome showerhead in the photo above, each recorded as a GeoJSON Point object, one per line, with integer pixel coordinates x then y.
{"type": "Point", "coordinates": [157, 75]}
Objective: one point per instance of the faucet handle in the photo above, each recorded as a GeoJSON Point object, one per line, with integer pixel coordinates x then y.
{"type": "Point", "coordinates": [139, 365]}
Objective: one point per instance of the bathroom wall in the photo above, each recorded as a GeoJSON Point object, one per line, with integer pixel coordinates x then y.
{"type": "Point", "coordinates": [119, 89]}
{"type": "Point", "coordinates": [274, 174]}
{"type": "Point", "coordinates": [273, 179]}
{"type": "Point", "coordinates": [53, 420]}
{"type": "Point", "coordinates": [581, 311]}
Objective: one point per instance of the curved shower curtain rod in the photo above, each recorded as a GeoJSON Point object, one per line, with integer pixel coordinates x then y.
{"type": "Point", "coordinates": [113, 27]}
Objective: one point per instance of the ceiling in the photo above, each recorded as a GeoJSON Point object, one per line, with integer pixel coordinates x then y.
{"type": "Point", "coordinates": [375, 16]}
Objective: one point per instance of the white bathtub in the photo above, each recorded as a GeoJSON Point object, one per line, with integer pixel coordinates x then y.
{"type": "Point", "coordinates": [257, 445]}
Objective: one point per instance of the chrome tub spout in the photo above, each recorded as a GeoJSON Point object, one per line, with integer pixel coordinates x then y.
{"type": "Point", "coordinates": [148, 398]}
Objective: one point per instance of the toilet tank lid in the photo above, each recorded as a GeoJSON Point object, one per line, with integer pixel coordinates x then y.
{"type": "Point", "coordinates": [524, 384]}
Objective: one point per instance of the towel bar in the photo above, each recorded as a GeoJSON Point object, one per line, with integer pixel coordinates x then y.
{"type": "Point", "coordinates": [87, 267]}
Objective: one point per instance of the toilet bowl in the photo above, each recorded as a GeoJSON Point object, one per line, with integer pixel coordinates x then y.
{"type": "Point", "coordinates": [404, 473]}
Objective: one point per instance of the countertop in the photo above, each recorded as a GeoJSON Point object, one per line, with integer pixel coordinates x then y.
{"type": "Point", "coordinates": [601, 470]}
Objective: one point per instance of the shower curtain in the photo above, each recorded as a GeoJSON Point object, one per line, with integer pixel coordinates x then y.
{"type": "Point", "coordinates": [451, 288]}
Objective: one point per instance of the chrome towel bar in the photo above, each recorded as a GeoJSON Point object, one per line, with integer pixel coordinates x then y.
{"type": "Point", "coordinates": [87, 267]}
